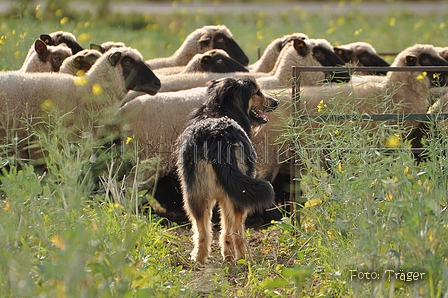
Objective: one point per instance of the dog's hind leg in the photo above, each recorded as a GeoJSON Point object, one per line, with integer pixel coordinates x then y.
{"type": "Point", "coordinates": [233, 237]}
{"type": "Point", "coordinates": [202, 232]}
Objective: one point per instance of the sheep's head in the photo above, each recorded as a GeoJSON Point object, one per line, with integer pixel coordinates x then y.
{"type": "Point", "coordinates": [219, 37]}
{"type": "Point", "coordinates": [137, 74]}
{"type": "Point", "coordinates": [361, 54]}
{"type": "Point", "coordinates": [323, 53]}
{"type": "Point", "coordinates": [55, 55]}
{"type": "Point", "coordinates": [215, 60]}
{"type": "Point", "coordinates": [423, 55]}
{"type": "Point", "coordinates": [59, 37]}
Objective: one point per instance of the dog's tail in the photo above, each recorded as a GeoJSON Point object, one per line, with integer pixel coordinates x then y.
{"type": "Point", "coordinates": [248, 193]}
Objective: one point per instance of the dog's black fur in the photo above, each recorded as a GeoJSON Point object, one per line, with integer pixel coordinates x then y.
{"type": "Point", "coordinates": [216, 162]}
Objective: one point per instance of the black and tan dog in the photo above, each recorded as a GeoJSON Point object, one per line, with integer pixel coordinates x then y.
{"type": "Point", "coordinates": [216, 164]}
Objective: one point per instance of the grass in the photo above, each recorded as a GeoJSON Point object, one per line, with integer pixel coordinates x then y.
{"type": "Point", "coordinates": [376, 212]}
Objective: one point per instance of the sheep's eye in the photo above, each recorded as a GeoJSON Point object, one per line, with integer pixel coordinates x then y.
{"type": "Point", "coordinates": [219, 61]}
{"type": "Point", "coordinates": [127, 63]}
{"type": "Point", "coordinates": [220, 40]}
{"type": "Point", "coordinates": [57, 58]}
{"type": "Point", "coordinates": [425, 60]}
{"type": "Point", "coordinates": [318, 54]}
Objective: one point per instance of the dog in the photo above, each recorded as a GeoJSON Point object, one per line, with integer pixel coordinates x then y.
{"type": "Point", "coordinates": [216, 163]}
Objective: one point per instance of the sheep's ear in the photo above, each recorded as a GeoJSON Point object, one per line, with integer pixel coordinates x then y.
{"type": "Point", "coordinates": [205, 62]}
{"type": "Point", "coordinates": [97, 47]}
{"type": "Point", "coordinates": [46, 38]}
{"type": "Point", "coordinates": [411, 60]}
{"type": "Point", "coordinates": [345, 54]}
{"type": "Point", "coordinates": [77, 62]}
{"type": "Point", "coordinates": [113, 58]}
{"type": "Point", "coordinates": [301, 47]}
{"type": "Point", "coordinates": [40, 47]}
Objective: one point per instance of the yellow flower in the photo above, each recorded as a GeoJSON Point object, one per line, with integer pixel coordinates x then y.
{"type": "Point", "coordinates": [97, 89]}
{"type": "Point", "coordinates": [37, 7]}
{"type": "Point", "coordinates": [63, 21]}
{"type": "Point", "coordinates": [80, 81]}
{"type": "Point", "coordinates": [321, 106]}
{"type": "Point", "coordinates": [128, 140]}
{"type": "Point", "coordinates": [392, 22]}
{"type": "Point", "coordinates": [80, 73]}
{"type": "Point", "coordinates": [392, 142]}
{"type": "Point", "coordinates": [83, 37]}
{"type": "Point", "coordinates": [442, 26]}
{"type": "Point", "coordinates": [312, 202]}
{"type": "Point", "coordinates": [46, 105]}
{"type": "Point", "coordinates": [421, 76]}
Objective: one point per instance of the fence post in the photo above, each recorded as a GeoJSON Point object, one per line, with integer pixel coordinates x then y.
{"type": "Point", "coordinates": [294, 164]}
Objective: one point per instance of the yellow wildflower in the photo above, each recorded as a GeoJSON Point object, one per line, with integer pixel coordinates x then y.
{"type": "Point", "coordinates": [312, 202]}
{"type": "Point", "coordinates": [80, 81]}
{"type": "Point", "coordinates": [392, 22]}
{"type": "Point", "coordinates": [392, 142]}
{"type": "Point", "coordinates": [97, 89]}
{"type": "Point", "coordinates": [46, 105]}
{"type": "Point", "coordinates": [128, 140]}
{"type": "Point", "coordinates": [63, 21]}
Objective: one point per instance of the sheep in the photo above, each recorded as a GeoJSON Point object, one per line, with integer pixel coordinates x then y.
{"type": "Point", "coordinates": [361, 54]}
{"type": "Point", "coordinates": [200, 41]}
{"type": "Point", "coordinates": [28, 98]}
{"type": "Point", "coordinates": [267, 60]}
{"type": "Point", "coordinates": [80, 63]}
{"type": "Point", "coordinates": [215, 60]}
{"type": "Point", "coordinates": [45, 58]}
{"type": "Point", "coordinates": [105, 46]}
{"type": "Point", "coordinates": [305, 52]}
{"type": "Point", "coordinates": [59, 37]}
{"type": "Point", "coordinates": [402, 92]}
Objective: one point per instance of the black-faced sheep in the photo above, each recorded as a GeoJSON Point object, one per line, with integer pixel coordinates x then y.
{"type": "Point", "coordinates": [402, 92]}
{"type": "Point", "coordinates": [200, 41]}
{"type": "Point", "coordinates": [215, 60]}
{"type": "Point", "coordinates": [62, 37]}
{"type": "Point", "coordinates": [297, 52]}
{"type": "Point", "coordinates": [267, 60]}
{"type": "Point", "coordinates": [361, 54]}
{"type": "Point", "coordinates": [80, 63]}
{"type": "Point", "coordinates": [87, 102]}
{"type": "Point", "coordinates": [45, 58]}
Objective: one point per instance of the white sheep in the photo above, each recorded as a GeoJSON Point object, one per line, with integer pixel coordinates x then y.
{"type": "Point", "coordinates": [45, 58]}
{"type": "Point", "coordinates": [80, 63]}
{"type": "Point", "coordinates": [297, 52]}
{"type": "Point", "coordinates": [215, 60]}
{"type": "Point", "coordinates": [267, 60]}
{"type": "Point", "coordinates": [86, 102]}
{"type": "Point", "coordinates": [361, 54]}
{"type": "Point", "coordinates": [200, 41]}
{"type": "Point", "coordinates": [402, 92]}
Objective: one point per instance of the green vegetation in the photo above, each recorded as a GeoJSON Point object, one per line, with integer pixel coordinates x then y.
{"type": "Point", "coordinates": [375, 212]}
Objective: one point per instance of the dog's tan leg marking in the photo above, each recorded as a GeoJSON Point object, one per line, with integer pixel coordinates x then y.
{"type": "Point", "coordinates": [233, 237]}
{"type": "Point", "coordinates": [225, 239]}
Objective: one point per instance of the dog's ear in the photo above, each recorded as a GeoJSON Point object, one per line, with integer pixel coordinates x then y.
{"type": "Point", "coordinates": [217, 90]}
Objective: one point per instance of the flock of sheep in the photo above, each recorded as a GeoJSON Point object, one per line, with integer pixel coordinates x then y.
{"type": "Point", "coordinates": [111, 86]}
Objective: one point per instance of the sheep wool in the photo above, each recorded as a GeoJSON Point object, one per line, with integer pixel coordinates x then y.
{"type": "Point", "coordinates": [84, 103]}
{"type": "Point", "coordinates": [200, 41]}
{"type": "Point", "coordinates": [45, 58]}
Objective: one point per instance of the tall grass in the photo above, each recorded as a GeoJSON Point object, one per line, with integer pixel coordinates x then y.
{"type": "Point", "coordinates": [369, 212]}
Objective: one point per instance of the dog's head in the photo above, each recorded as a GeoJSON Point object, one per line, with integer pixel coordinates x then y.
{"type": "Point", "coordinates": [240, 94]}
